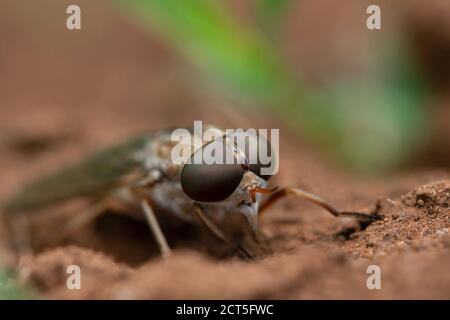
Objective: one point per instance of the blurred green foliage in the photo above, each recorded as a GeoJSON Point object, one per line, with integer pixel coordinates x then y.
{"type": "Point", "coordinates": [10, 289]}
{"type": "Point", "coordinates": [270, 15]}
{"type": "Point", "coordinates": [369, 123]}
{"type": "Point", "coordinates": [235, 58]}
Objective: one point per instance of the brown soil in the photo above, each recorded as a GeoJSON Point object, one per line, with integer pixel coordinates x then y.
{"type": "Point", "coordinates": [60, 101]}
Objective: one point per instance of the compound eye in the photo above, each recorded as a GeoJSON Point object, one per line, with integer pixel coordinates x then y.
{"type": "Point", "coordinates": [210, 181]}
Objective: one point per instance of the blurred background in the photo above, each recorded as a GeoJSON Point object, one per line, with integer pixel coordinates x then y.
{"type": "Point", "coordinates": [368, 102]}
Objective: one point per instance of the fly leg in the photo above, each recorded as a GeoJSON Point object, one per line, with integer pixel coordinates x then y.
{"type": "Point", "coordinates": [281, 193]}
{"type": "Point", "coordinates": [20, 227]}
{"type": "Point", "coordinates": [98, 208]}
{"type": "Point", "coordinates": [23, 250]}
{"type": "Point", "coordinates": [21, 230]}
{"type": "Point", "coordinates": [83, 218]}
{"type": "Point", "coordinates": [219, 233]}
{"type": "Point", "coordinates": [156, 229]}
{"type": "Point", "coordinates": [79, 220]}
{"type": "Point", "coordinates": [141, 192]}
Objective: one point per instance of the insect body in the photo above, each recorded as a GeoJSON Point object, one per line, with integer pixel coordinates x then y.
{"type": "Point", "coordinates": [142, 175]}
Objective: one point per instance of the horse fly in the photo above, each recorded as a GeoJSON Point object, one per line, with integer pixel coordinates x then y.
{"type": "Point", "coordinates": [141, 175]}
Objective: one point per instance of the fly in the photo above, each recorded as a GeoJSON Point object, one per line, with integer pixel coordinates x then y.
{"type": "Point", "coordinates": [141, 175]}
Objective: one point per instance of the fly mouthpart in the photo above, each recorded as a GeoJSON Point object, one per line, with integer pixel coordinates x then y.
{"type": "Point", "coordinates": [254, 190]}
{"type": "Point", "coordinates": [265, 190]}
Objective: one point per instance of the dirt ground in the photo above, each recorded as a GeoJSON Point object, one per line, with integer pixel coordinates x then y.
{"type": "Point", "coordinates": [64, 94]}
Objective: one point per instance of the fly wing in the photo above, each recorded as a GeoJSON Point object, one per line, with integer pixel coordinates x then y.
{"type": "Point", "coordinates": [114, 167]}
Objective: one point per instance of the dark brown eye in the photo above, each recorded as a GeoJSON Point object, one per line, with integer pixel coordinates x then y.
{"type": "Point", "coordinates": [209, 181]}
